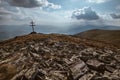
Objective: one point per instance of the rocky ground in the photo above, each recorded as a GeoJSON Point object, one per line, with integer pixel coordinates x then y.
{"type": "Point", "coordinates": [57, 57]}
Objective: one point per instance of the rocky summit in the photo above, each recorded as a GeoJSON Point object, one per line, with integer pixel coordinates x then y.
{"type": "Point", "coordinates": [58, 57]}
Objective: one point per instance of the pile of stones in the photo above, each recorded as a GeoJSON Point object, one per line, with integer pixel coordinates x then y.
{"type": "Point", "coordinates": [47, 59]}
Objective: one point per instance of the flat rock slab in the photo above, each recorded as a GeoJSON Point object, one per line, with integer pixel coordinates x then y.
{"type": "Point", "coordinates": [95, 65]}
{"type": "Point", "coordinates": [117, 57]}
{"type": "Point", "coordinates": [78, 69]}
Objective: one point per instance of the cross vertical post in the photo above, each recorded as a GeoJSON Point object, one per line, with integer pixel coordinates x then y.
{"type": "Point", "coordinates": [32, 24]}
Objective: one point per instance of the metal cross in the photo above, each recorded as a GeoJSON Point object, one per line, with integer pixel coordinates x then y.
{"type": "Point", "coordinates": [32, 24]}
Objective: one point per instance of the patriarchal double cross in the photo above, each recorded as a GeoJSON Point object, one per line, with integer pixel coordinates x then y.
{"type": "Point", "coordinates": [32, 24]}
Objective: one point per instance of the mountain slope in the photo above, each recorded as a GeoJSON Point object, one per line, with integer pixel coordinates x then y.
{"type": "Point", "coordinates": [57, 57]}
{"type": "Point", "coordinates": [108, 36]}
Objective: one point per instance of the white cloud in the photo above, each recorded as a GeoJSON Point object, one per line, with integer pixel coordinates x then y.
{"type": "Point", "coordinates": [15, 15]}
{"type": "Point", "coordinates": [97, 1]}
{"type": "Point", "coordinates": [53, 6]}
{"type": "Point", "coordinates": [86, 14]}
{"type": "Point", "coordinates": [114, 22]}
{"type": "Point", "coordinates": [82, 18]}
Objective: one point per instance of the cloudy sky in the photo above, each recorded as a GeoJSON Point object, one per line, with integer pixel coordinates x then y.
{"type": "Point", "coordinates": [62, 14]}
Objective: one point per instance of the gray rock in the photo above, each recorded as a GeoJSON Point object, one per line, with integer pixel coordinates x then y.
{"type": "Point", "coordinates": [96, 65]}
{"type": "Point", "coordinates": [56, 57]}
{"type": "Point", "coordinates": [117, 57]}
{"type": "Point", "coordinates": [78, 69]}
{"type": "Point", "coordinates": [110, 69]}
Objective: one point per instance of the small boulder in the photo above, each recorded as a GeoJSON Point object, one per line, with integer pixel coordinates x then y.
{"type": "Point", "coordinates": [78, 69]}
{"type": "Point", "coordinates": [96, 65]}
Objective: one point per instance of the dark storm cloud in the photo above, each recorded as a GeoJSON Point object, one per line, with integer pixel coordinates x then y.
{"type": "Point", "coordinates": [32, 3]}
{"type": "Point", "coordinates": [85, 14]}
{"type": "Point", "coordinates": [115, 16]}
{"type": "Point", "coordinates": [27, 3]}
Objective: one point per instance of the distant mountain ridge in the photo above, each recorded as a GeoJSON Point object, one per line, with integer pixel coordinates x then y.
{"type": "Point", "coordinates": [10, 31]}
{"type": "Point", "coordinates": [108, 36]}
